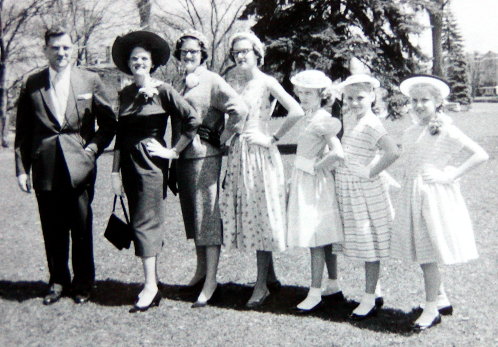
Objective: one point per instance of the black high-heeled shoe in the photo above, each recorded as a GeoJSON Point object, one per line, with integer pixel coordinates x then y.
{"type": "Point", "coordinates": [154, 303]}
{"type": "Point", "coordinates": [259, 302]}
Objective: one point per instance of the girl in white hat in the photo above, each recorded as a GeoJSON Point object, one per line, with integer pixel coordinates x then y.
{"type": "Point", "coordinates": [312, 213]}
{"type": "Point", "coordinates": [432, 224]}
{"type": "Point", "coordinates": [361, 192]}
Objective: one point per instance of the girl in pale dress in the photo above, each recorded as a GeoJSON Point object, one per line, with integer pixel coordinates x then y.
{"type": "Point", "coordinates": [253, 200]}
{"type": "Point", "coordinates": [432, 224]}
{"type": "Point", "coordinates": [312, 213]}
{"type": "Point", "coordinates": [361, 192]}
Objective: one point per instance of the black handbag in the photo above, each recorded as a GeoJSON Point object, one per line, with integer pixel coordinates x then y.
{"type": "Point", "coordinates": [118, 232]}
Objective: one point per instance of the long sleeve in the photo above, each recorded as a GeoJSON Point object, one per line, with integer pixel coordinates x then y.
{"type": "Point", "coordinates": [106, 118]}
{"type": "Point", "coordinates": [24, 133]}
{"type": "Point", "coordinates": [174, 104]}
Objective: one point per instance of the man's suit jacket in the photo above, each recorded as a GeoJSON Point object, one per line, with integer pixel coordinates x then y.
{"type": "Point", "coordinates": [39, 134]}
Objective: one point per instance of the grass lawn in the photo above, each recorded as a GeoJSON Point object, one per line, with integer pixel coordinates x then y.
{"type": "Point", "coordinates": [105, 321]}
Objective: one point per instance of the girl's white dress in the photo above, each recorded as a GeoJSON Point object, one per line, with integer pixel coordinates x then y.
{"type": "Point", "coordinates": [312, 214]}
{"type": "Point", "coordinates": [432, 223]}
{"type": "Point", "coordinates": [253, 201]}
{"type": "Point", "coordinates": [363, 202]}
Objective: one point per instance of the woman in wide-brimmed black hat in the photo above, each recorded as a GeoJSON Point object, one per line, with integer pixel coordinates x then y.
{"type": "Point", "coordinates": [144, 108]}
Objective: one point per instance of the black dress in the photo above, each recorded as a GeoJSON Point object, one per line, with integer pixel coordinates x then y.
{"type": "Point", "coordinates": [144, 177]}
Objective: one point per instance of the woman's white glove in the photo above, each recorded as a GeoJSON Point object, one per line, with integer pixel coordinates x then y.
{"type": "Point", "coordinates": [434, 175]}
{"type": "Point", "coordinates": [156, 149]}
{"type": "Point", "coordinates": [258, 138]}
{"type": "Point", "coordinates": [117, 184]}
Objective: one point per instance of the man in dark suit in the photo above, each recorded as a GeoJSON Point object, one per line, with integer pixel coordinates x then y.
{"type": "Point", "coordinates": [56, 141]}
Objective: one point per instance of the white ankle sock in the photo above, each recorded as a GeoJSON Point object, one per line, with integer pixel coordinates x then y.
{"type": "Point", "coordinates": [314, 297]}
{"type": "Point", "coordinates": [378, 290]}
{"type": "Point", "coordinates": [442, 301]}
{"type": "Point", "coordinates": [366, 304]}
{"type": "Point", "coordinates": [331, 287]}
{"type": "Point", "coordinates": [428, 314]}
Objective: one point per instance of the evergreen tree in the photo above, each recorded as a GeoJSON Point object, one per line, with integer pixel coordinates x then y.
{"type": "Point", "coordinates": [455, 61]}
{"type": "Point", "coordinates": [326, 34]}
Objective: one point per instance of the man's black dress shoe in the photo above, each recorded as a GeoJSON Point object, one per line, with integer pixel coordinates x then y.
{"type": "Point", "coordinates": [358, 317]}
{"type": "Point", "coordinates": [52, 297]}
{"type": "Point", "coordinates": [81, 298]}
{"type": "Point", "coordinates": [154, 303]}
{"type": "Point", "coordinates": [418, 328]}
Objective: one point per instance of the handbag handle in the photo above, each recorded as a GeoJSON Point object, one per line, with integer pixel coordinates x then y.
{"type": "Point", "coordinates": [122, 205]}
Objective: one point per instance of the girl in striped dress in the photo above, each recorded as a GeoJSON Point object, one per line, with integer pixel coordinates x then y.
{"type": "Point", "coordinates": [361, 193]}
{"type": "Point", "coordinates": [432, 224]}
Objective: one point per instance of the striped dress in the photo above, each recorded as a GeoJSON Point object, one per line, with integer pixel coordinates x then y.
{"type": "Point", "coordinates": [432, 222]}
{"type": "Point", "coordinates": [363, 203]}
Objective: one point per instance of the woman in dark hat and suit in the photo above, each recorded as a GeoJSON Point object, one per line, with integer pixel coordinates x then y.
{"type": "Point", "coordinates": [144, 108]}
{"type": "Point", "coordinates": [199, 166]}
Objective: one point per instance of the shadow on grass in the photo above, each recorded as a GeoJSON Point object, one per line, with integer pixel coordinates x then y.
{"type": "Point", "coordinates": [229, 296]}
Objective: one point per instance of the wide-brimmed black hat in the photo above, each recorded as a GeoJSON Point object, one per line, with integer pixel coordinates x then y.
{"type": "Point", "coordinates": [123, 45]}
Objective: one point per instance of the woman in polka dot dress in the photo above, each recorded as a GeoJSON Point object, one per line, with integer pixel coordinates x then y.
{"type": "Point", "coordinates": [253, 200]}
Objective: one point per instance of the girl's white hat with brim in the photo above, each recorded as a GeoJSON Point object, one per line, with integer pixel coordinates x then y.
{"type": "Point", "coordinates": [359, 78]}
{"type": "Point", "coordinates": [311, 79]}
{"type": "Point", "coordinates": [434, 81]}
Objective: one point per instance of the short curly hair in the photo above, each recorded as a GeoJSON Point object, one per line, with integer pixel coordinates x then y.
{"type": "Point", "coordinates": [179, 43]}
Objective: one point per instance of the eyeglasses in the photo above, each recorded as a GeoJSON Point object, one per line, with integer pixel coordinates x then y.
{"type": "Point", "coordinates": [243, 52]}
{"type": "Point", "coordinates": [184, 52]}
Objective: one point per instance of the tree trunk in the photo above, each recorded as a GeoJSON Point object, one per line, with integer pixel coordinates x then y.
{"type": "Point", "coordinates": [144, 11]}
{"type": "Point", "coordinates": [436, 21]}
{"type": "Point", "coordinates": [4, 121]}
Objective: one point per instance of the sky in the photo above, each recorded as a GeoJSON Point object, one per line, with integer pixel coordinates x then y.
{"type": "Point", "coordinates": [478, 24]}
